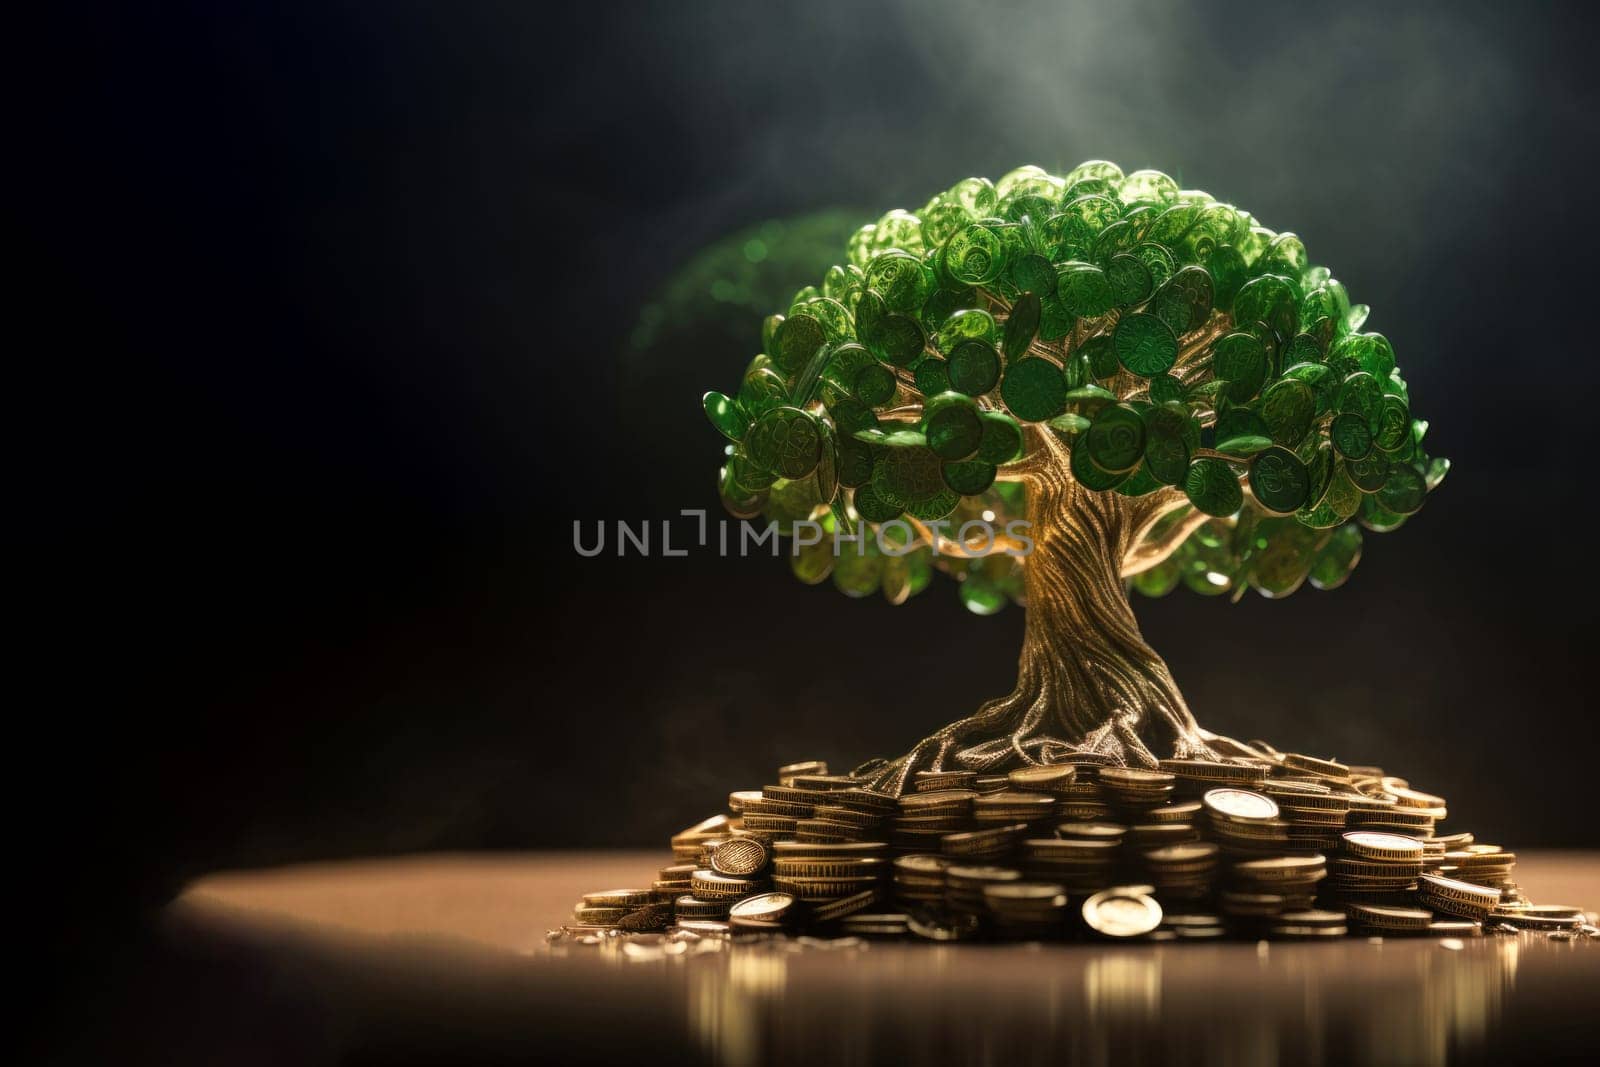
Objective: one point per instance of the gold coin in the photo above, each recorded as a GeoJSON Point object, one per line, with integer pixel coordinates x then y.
{"type": "Point", "coordinates": [1044, 779]}
{"type": "Point", "coordinates": [1240, 804]}
{"type": "Point", "coordinates": [739, 856]}
{"type": "Point", "coordinates": [1366, 844]}
{"type": "Point", "coordinates": [763, 907]}
{"type": "Point", "coordinates": [618, 898]}
{"type": "Point", "coordinates": [1324, 768]}
{"type": "Point", "coordinates": [1120, 913]}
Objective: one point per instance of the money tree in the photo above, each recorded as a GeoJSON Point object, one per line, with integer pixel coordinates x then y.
{"type": "Point", "coordinates": [1057, 387]}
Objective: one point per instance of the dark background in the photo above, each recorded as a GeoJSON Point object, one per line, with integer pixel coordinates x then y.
{"type": "Point", "coordinates": [357, 284]}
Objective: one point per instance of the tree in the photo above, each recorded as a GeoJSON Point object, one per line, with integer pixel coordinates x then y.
{"type": "Point", "coordinates": [1165, 391]}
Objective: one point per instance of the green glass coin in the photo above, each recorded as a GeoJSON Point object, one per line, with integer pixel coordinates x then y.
{"type": "Point", "coordinates": [910, 473]}
{"type": "Point", "coordinates": [1336, 559]}
{"type": "Point", "coordinates": [1069, 425]}
{"type": "Point", "coordinates": [859, 574]}
{"type": "Point", "coordinates": [748, 473]}
{"type": "Point", "coordinates": [976, 196]}
{"type": "Point", "coordinates": [1403, 491]}
{"type": "Point", "coordinates": [1033, 273]}
{"type": "Point", "coordinates": [761, 391]}
{"type": "Point", "coordinates": [1086, 474]}
{"type": "Point", "coordinates": [785, 440]}
{"type": "Point", "coordinates": [1002, 438]}
{"type": "Point", "coordinates": [851, 415]}
{"type": "Point", "coordinates": [1115, 438]}
{"type": "Point", "coordinates": [1171, 306]}
{"type": "Point", "coordinates": [1302, 348]}
{"type": "Point", "coordinates": [1100, 355]}
{"type": "Point", "coordinates": [942, 304]}
{"type": "Point", "coordinates": [1138, 482]}
{"type": "Point", "coordinates": [1269, 299]}
{"type": "Point", "coordinates": [727, 416]}
{"type": "Point", "coordinates": [853, 463]}
{"type": "Point", "coordinates": [932, 376]}
{"type": "Point", "coordinates": [769, 332]}
{"type": "Point", "coordinates": [973, 256]}
{"type": "Point", "coordinates": [937, 506]}
{"type": "Point", "coordinates": [1145, 345]}
{"type": "Point", "coordinates": [1228, 272]}
{"type": "Point", "coordinates": [1021, 325]}
{"type": "Point", "coordinates": [1166, 446]}
{"type": "Point", "coordinates": [837, 322]}
{"type": "Point", "coordinates": [1350, 435]}
{"type": "Point", "coordinates": [1213, 488]}
{"type": "Point", "coordinates": [1361, 394]}
{"type": "Point", "coordinates": [1394, 425]}
{"type": "Point", "coordinates": [969, 477]}
{"type": "Point", "coordinates": [1240, 361]}
{"type": "Point", "coordinates": [1034, 390]}
{"type": "Point", "coordinates": [739, 501]}
{"type": "Point", "coordinates": [1288, 408]}
{"type": "Point", "coordinates": [1321, 465]}
{"type": "Point", "coordinates": [874, 507]}
{"type": "Point", "coordinates": [796, 341]}
{"type": "Point", "coordinates": [1279, 480]}
{"type": "Point", "coordinates": [875, 385]}
{"type": "Point", "coordinates": [1115, 240]}
{"type": "Point", "coordinates": [1244, 444]}
{"type": "Point", "coordinates": [1369, 474]}
{"type": "Point", "coordinates": [1157, 260]}
{"type": "Point", "coordinates": [1170, 224]}
{"type": "Point", "coordinates": [1164, 388]}
{"type": "Point", "coordinates": [1129, 278]}
{"type": "Point", "coordinates": [970, 324]}
{"type": "Point", "coordinates": [952, 425]}
{"type": "Point", "coordinates": [846, 362]}
{"type": "Point", "coordinates": [1055, 321]}
{"type": "Point", "coordinates": [901, 278]}
{"type": "Point", "coordinates": [813, 563]}
{"type": "Point", "coordinates": [1158, 580]}
{"type": "Point", "coordinates": [1323, 382]}
{"type": "Point", "coordinates": [1341, 501]}
{"type": "Point", "coordinates": [870, 310]}
{"type": "Point", "coordinates": [1084, 290]}
{"type": "Point", "coordinates": [974, 368]}
{"type": "Point", "coordinates": [1195, 284]}
{"type": "Point", "coordinates": [896, 339]}
{"type": "Point", "coordinates": [1371, 352]}
{"type": "Point", "coordinates": [1377, 518]}
{"type": "Point", "coordinates": [826, 476]}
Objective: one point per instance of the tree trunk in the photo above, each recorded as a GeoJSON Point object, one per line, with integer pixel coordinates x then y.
{"type": "Point", "coordinates": [1086, 681]}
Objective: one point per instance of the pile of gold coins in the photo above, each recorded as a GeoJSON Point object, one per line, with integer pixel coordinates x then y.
{"type": "Point", "coordinates": [1290, 847]}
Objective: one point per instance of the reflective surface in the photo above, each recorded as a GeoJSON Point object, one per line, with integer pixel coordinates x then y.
{"type": "Point", "coordinates": [445, 958]}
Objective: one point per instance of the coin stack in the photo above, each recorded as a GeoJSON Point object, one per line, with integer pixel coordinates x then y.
{"type": "Point", "coordinates": [1026, 910]}
{"type": "Point", "coordinates": [835, 879]}
{"type": "Point", "coordinates": [1132, 792]}
{"type": "Point", "coordinates": [1454, 897]}
{"type": "Point", "coordinates": [853, 814]}
{"type": "Point", "coordinates": [1374, 868]}
{"type": "Point", "coordinates": [996, 842]}
{"type": "Point", "coordinates": [1183, 872]}
{"type": "Point", "coordinates": [919, 880]}
{"type": "Point", "coordinates": [1290, 846]}
{"type": "Point", "coordinates": [1082, 799]}
{"type": "Point", "coordinates": [1080, 864]}
{"type": "Point", "coordinates": [1011, 806]}
{"type": "Point", "coordinates": [1194, 777]}
{"type": "Point", "coordinates": [930, 781]}
{"type": "Point", "coordinates": [924, 818]}
{"type": "Point", "coordinates": [965, 886]}
{"type": "Point", "coordinates": [1315, 814]}
{"type": "Point", "coordinates": [1245, 822]}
